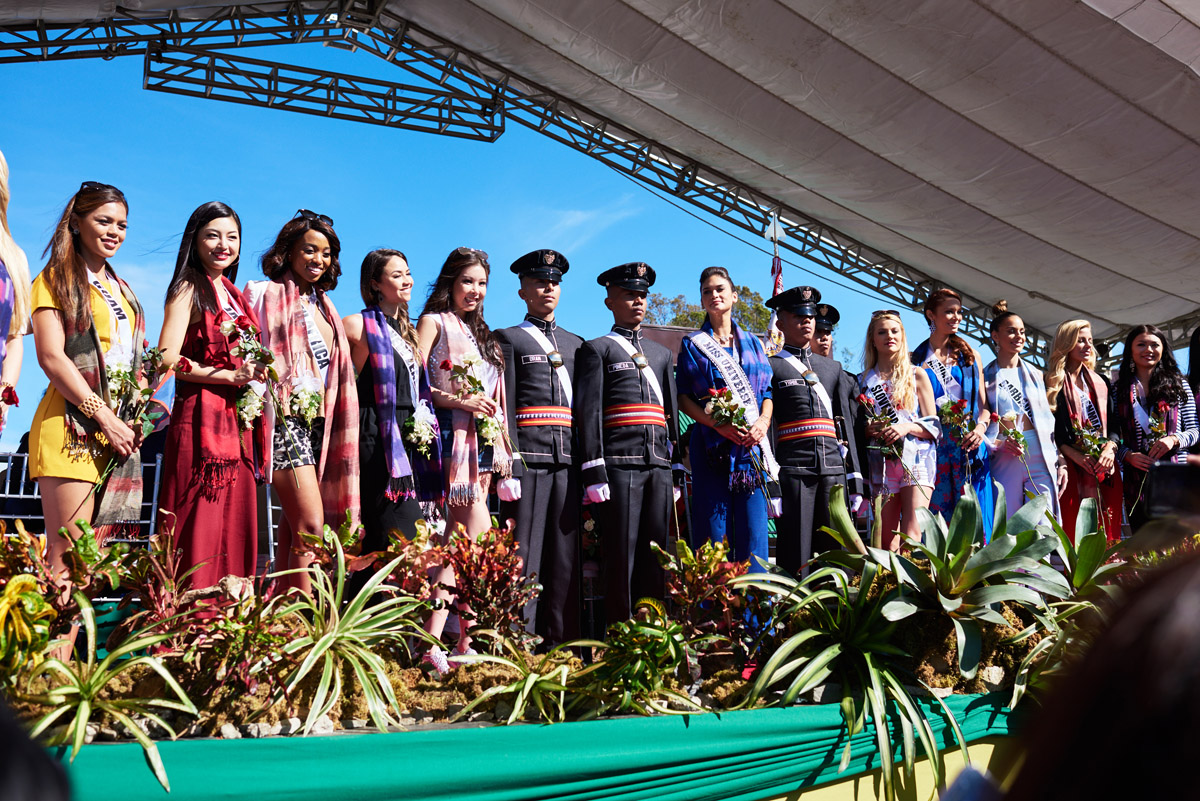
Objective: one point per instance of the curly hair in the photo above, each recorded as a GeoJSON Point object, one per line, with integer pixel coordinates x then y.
{"type": "Point", "coordinates": [1065, 339]}
{"type": "Point", "coordinates": [277, 260]}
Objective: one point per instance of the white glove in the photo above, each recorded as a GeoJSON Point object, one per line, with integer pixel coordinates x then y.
{"type": "Point", "coordinates": [509, 490]}
{"type": "Point", "coordinates": [856, 503]}
{"type": "Point", "coordinates": [774, 508]}
{"type": "Point", "coordinates": [676, 493]}
{"type": "Point", "coordinates": [844, 450]}
{"type": "Point", "coordinates": [597, 493]}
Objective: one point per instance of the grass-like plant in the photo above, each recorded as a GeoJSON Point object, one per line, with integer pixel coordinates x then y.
{"type": "Point", "coordinates": [76, 693]}
{"type": "Point", "coordinates": [639, 658]}
{"type": "Point", "coordinates": [541, 682]}
{"type": "Point", "coordinates": [842, 635]}
{"type": "Point", "coordinates": [335, 633]}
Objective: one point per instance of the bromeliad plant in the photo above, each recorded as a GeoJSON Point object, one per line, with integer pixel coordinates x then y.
{"type": "Point", "coordinates": [76, 693]}
{"type": "Point", "coordinates": [639, 658]}
{"type": "Point", "coordinates": [25, 618]}
{"type": "Point", "coordinates": [959, 573]}
{"type": "Point", "coordinates": [336, 634]}
{"type": "Point", "coordinates": [541, 682]}
{"type": "Point", "coordinates": [842, 635]}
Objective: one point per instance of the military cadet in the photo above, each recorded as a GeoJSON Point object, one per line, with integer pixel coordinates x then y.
{"type": "Point", "coordinates": [810, 392]}
{"type": "Point", "coordinates": [627, 427]}
{"type": "Point", "coordinates": [539, 362]}
{"type": "Point", "coordinates": [827, 318]}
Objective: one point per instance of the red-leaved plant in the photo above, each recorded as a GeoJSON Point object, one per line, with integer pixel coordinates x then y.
{"type": "Point", "coordinates": [698, 586]}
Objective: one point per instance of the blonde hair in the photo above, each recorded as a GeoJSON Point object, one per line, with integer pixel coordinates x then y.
{"type": "Point", "coordinates": [14, 259]}
{"type": "Point", "coordinates": [904, 381]}
{"type": "Point", "coordinates": [1065, 339]}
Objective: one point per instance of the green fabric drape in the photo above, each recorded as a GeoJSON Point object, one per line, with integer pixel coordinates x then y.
{"type": "Point", "coordinates": [738, 755]}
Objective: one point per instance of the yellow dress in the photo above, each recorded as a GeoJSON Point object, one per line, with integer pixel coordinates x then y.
{"type": "Point", "coordinates": [48, 434]}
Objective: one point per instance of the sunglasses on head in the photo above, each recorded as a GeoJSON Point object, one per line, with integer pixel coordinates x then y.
{"type": "Point", "coordinates": [312, 215]}
{"type": "Point", "coordinates": [884, 312]}
{"type": "Point", "coordinates": [464, 251]}
{"type": "Point", "coordinates": [96, 186]}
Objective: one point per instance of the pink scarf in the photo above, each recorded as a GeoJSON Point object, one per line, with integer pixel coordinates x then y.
{"type": "Point", "coordinates": [463, 483]}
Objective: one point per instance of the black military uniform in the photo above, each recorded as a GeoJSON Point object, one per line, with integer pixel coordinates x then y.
{"type": "Point", "coordinates": [826, 321]}
{"type": "Point", "coordinates": [627, 433]}
{"type": "Point", "coordinates": [806, 436]}
{"type": "Point", "coordinates": [547, 514]}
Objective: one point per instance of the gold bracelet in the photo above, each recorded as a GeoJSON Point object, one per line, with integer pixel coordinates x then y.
{"type": "Point", "coordinates": [91, 404]}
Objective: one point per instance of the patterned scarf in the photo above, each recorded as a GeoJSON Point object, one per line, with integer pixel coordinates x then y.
{"type": "Point", "coordinates": [743, 476]}
{"type": "Point", "coordinates": [281, 320]}
{"type": "Point", "coordinates": [462, 477]}
{"type": "Point", "coordinates": [119, 501]}
{"type": "Point", "coordinates": [7, 299]}
{"type": "Point", "coordinates": [219, 437]}
{"type": "Point", "coordinates": [401, 482]}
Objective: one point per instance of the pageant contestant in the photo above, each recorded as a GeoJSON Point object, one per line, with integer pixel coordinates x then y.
{"type": "Point", "coordinates": [208, 470]}
{"type": "Point", "coordinates": [311, 455]}
{"type": "Point", "coordinates": [398, 459]}
{"type": "Point", "coordinates": [734, 472]}
{"type": "Point", "coordinates": [626, 419]}
{"type": "Point", "coordinates": [465, 370]}
{"type": "Point", "coordinates": [1084, 428]}
{"type": "Point", "coordinates": [811, 394]}
{"type": "Point", "coordinates": [80, 307]}
{"type": "Point", "coordinates": [539, 367]}
{"type": "Point", "coordinates": [902, 424]}
{"type": "Point", "coordinates": [1156, 411]}
{"type": "Point", "coordinates": [1020, 437]}
{"type": "Point", "coordinates": [955, 371]}
{"type": "Point", "coordinates": [1193, 380]}
{"type": "Point", "coordinates": [14, 303]}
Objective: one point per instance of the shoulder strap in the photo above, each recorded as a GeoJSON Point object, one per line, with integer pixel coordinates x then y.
{"type": "Point", "coordinates": [647, 372]}
{"type": "Point", "coordinates": [564, 378]}
{"type": "Point", "coordinates": [816, 387]}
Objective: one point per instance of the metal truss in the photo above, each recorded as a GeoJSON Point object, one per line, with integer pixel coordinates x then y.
{"type": "Point", "coordinates": [469, 96]}
{"type": "Point", "coordinates": [220, 76]}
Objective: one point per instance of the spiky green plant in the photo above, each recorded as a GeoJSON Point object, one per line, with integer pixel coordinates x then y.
{"type": "Point", "coordinates": [335, 634]}
{"type": "Point", "coordinates": [541, 680]}
{"type": "Point", "coordinates": [25, 618]}
{"type": "Point", "coordinates": [842, 635]}
{"type": "Point", "coordinates": [77, 690]}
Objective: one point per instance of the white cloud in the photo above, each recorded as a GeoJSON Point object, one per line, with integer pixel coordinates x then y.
{"type": "Point", "coordinates": [573, 228]}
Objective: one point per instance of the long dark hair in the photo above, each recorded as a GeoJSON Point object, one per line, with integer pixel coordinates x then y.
{"type": "Point", "coordinates": [372, 270]}
{"type": "Point", "coordinates": [964, 354]}
{"type": "Point", "coordinates": [65, 271]}
{"type": "Point", "coordinates": [1194, 361]}
{"type": "Point", "coordinates": [276, 261]}
{"type": "Point", "coordinates": [189, 270]}
{"type": "Point", "coordinates": [440, 300]}
{"type": "Point", "coordinates": [1166, 382]}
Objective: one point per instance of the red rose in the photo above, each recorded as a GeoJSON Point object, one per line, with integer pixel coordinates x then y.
{"type": "Point", "coordinates": [145, 344]}
{"type": "Point", "coordinates": [9, 396]}
{"type": "Point", "coordinates": [714, 392]}
{"type": "Point", "coordinates": [961, 405]}
{"type": "Point", "coordinates": [446, 365]}
{"type": "Point", "coordinates": [183, 365]}
{"type": "Point", "coordinates": [242, 321]}
{"type": "Point", "coordinates": [864, 399]}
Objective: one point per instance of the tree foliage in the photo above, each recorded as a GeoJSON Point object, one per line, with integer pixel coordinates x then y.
{"type": "Point", "coordinates": [749, 312]}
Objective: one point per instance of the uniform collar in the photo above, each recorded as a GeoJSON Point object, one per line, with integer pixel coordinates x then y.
{"type": "Point", "coordinates": [630, 334]}
{"type": "Point", "coordinates": [803, 353]}
{"type": "Point", "coordinates": [546, 327]}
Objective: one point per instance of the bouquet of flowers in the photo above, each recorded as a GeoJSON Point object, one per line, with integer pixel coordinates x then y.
{"type": "Point", "coordinates": [1087, 438]}
{"type": "Point", "coordinates": [875, 415]}
{"type": "Point", "coordinates": [1158, 420]}
{"type": "Point", "coordinates": [956, 419]}
{"type": "Point", "coordinates": [1009, 430]}
{"type": "Point", "coordinates": [249, 407]}
{"type": "Point", "coordinates": [725, 409]}
{"type": "Point", "coordinates": [305, 398]}
{"type": "Point", "coordinates": [421, 429]}
{"type": "Point", "coordinates": [488, 427]}
{"type": "Point", "coordinates": [244, 334]}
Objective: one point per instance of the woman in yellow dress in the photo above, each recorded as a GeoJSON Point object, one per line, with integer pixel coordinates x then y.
{"type": "Point", "coordinates": [88, 330]}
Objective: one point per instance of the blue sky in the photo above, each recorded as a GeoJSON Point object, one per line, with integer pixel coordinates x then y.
{"type": "Point", "coordinates": [66, 122]}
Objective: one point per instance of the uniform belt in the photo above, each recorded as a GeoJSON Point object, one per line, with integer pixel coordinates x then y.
{"type": "Point", "coordinates": [544, 416]}
{"type": "Point", "coordinates": [634, 414]}
{"type": "Point", "coordinates": [804, 429]}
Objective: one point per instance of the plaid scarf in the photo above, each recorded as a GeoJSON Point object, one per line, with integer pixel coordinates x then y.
{"type": "Point", "coordinates": [219, 437]}
{"type": "Point", "coordinates": [119, 501]}
{"type": "Point", "coordinates": [401, 480]}
{"type": "Point", "coordinates": [462, 474]}
{"type": "Point", "coordinates": [284, 331]}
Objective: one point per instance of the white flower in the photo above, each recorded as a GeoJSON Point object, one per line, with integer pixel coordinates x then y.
{"type": "Point", "coordinates": [708, 408]}
{"type": "Point", "coordinates": [1009, 417]}
{"type": "Point", "coordinates": [471, 361]}
{"type": "Point", "coordinates": [228, 327]}
{"type": "Point", "coordinates": [423, 415]}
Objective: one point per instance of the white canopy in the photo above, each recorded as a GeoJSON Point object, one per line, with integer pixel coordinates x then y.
{"type": "Point", "coordinates": [1046, 152]}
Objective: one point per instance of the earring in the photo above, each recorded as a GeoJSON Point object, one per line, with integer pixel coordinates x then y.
{"type": "Point", "coordinates": [74, 232]}
{"type": "Point", "coordinates": [932, 326]}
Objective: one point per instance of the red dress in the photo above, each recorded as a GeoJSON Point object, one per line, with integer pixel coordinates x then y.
{"type": "Point", "coordinates": [208, 477]}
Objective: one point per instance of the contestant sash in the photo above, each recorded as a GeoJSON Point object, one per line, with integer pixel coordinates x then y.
{"type": "Point", "coordinates": [1141, 417]}
{"type": "Point", "coordinates": [647, 371]}
{"type": "Point", "coordinates": [737, 381]}
{"type": "Point", "coordinates": [945, 377]}
{"type": "Point", "coordinates": [564, 378]}
{"type": "Point", "coordinates": [405, 352]}
{"type": "Point", "coordinates": [316, 342]}
{"type": "Point", "coordinates": [1018, 397]}
{"type": "Point", "coordinates": [527, 416]}
{"type": "Point", "coordinates": [881, 392]}
{"type": "Point", "coordinates": [121, 326]}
